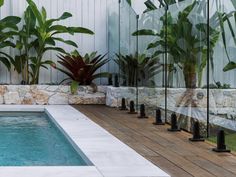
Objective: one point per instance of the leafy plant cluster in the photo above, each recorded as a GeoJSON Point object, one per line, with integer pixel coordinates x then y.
{"type": "Point", "coordinates": [138, 69]}
{"type": "Point", "coordinates": [82, 69]}
{"type": "Point", "coordinates": [37, 35]}
{"type": "Point", "coordinates": [185, 41]}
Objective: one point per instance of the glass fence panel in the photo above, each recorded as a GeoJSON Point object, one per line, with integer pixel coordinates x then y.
{"type": "Point", "coordinates": [186, 57]}
{"type": "Point", "coordinates": [151, 78]}
{"type": "Point", "coordinates": [222, 80]}
{"type": "Point", "coordinates": [126, 59]}
{"type": "Point", "coordinates": [177, 59]}
{"type": "Point", "coordinates": [113, 38]}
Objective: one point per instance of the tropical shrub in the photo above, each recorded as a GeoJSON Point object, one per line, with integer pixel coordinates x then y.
{"type": "Point", "coordinates": [45, 33]}
{"type": "Point", "coordinates": [230, 19]}
{"type": "Point", "coordinates": [138, 69]}
{"type": "Point", "coordinates": [8, 29]}
{"type": "Point", "coordinates": [25, 44]}
{"type": "Point", "coordinates": [82, 69]}
{"type": "Point", "coordinates": [183, 42]}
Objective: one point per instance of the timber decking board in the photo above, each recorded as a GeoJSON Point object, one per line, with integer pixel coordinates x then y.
{"type": "Point", "coordinates": [170, 151]}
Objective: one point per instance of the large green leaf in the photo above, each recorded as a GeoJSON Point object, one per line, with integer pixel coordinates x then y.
{"type": "Point", "coordinates": [1, 2]}
{"type": "Point", "coordinates": [69, 42]}
{"type": "Point", "coordinates": [230, 66]}
{"type": "Point", "coordinates": [73, 30]}
{"type": "Point", "coordinates": [30, 21]}
{"type": "Point", "coordinates": [36, 12]}
{"type": "Point", "coordinates": [58, 49]}
{"type": "Point", "coordinates": [44, 14]}
{"type": "Point", "coordinates": [58, 29]}
{"type": "Point", "coordinates": [9, 22]}
{"type": "Point", "coordinates": [145, 32]}
{"type": "Point", "coordinates": [6, 62]}
{"type": "Point", "coordinates": [6, 44]}
{"type": "Point", "coordinates": [64, 16]}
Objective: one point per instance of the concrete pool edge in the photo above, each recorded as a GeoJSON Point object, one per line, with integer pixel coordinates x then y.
{"type": "Point", "coordinates": [109, 155]}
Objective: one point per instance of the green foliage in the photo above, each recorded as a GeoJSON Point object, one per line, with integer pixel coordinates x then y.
{"type": "Point", "coordinates": [129, 2]}
{"type": "Point", "coordinates": [82, 69]}
{"type": "Point", "coordinates": [1, 2]}
{"type": "Point", "coordinates": [138, 69]}
{"type": "Point", "coordinates": [24, 44]}
{"type": "Point", "coordinates": [162, 3]}
{"type": "Point", "coordinates": [74, 87]}
{"type": "Point", "coordinates": [8, 29]}
{"type": "Point", "coordinates": [228, 18]}
{"type": "Point", "coordinates": [217, 85]}
{"type": "Point", "coordinates": [183, 43]}
{"type": "Point", "coordinates": [45, 33]}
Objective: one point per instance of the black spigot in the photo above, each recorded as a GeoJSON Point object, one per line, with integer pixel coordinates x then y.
{"type": "Point", "coordinates": [158, 118]}
{"type": "Point", "coordinates": [132, 108]}
{"type": "Point", "coordinates": [174, 124]}
{"type": "Point", "coordinates": [142, 112]}
{"type": "Point", "coordinates": [196, 133]}
{"type": "Point", "coordinates": [117, 81]}
{"type": "Point", "coordinates": [221, 147]}
{"type": "Point", "coordinates": [110, 80]}
{"type": "Point", "coordinates": [123, 105]}
{"type": "Point", "coordinates": [23, 82]}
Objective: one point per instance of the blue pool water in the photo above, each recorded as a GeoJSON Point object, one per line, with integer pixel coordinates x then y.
{"type": "Point", "coordinates": [32, 139]}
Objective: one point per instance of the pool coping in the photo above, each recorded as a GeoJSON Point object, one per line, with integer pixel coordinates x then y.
{"type": "Point", "coordinates": [110, 156]}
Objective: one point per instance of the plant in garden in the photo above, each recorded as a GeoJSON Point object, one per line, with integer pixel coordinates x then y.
{"type": "Point", "coordinates": [138, 69]}
{"type": "Point", "coordinates": [184, 43]}
{"type": "Point", "coordinates": [230, 19]}
{"type": "Point", "coordinates": [82, 69]}
{"type": "Point", "coordinates": [8, 29]}
{"type": "Point", "coordinates": [46, 35]}
{"type": "Point", "coordinates": [129, 2]}
{"type": "Point", "coordinates": [1, 2]}
{"type": "Point", "coordinates": [25, 44]}
{"type": "Point", "coordinates": [162, 3]}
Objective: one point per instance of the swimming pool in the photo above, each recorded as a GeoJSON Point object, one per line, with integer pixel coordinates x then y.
{"type": "Point", "coordinates": [80, 146]}
{"type": "Point", "coordinates": [33, 139]}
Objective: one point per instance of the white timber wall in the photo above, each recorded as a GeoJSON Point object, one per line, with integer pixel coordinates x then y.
{"type": "Point", "coordinates": [91, 14]}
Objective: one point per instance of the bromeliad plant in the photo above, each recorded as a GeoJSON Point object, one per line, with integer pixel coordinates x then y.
{"type": "Point", "coordinates": [138, 69]}
{"type": "Point", "coordinates": [46, 35]}
{"type": "Point", "coordinates": [82, 69]}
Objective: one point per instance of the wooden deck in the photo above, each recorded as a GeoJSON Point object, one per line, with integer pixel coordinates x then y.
{"type": "Point", "coordinates": [172, 152]}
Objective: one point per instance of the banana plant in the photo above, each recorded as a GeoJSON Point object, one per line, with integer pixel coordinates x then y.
{"type": "Point", "coordinates": [46, 33]}
{"type": "Point", "coordinates": [183, 43]}
{"type": "Point", "coordinates": [24, 44]}
{"type": "Point", "coordinates": [8, 29]}
{"type": "Point", "coordinates": [228, 18]}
